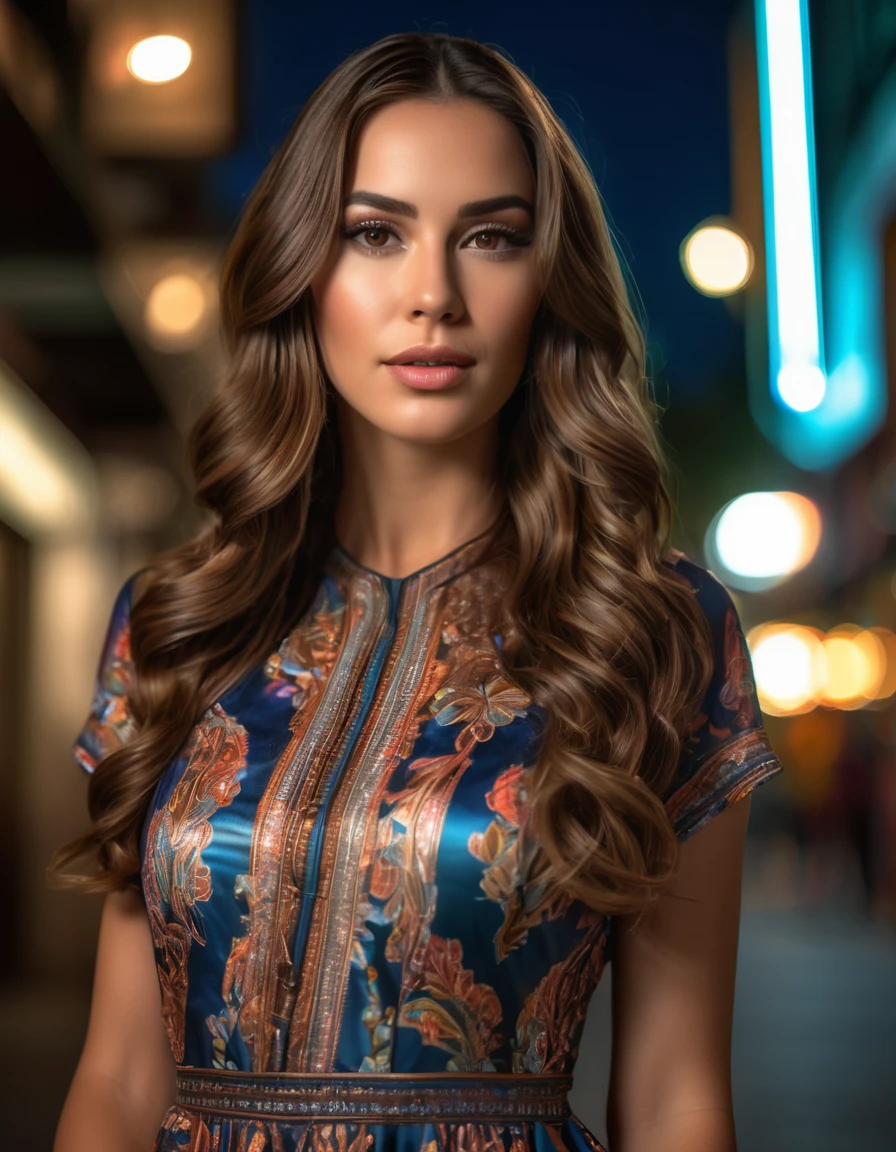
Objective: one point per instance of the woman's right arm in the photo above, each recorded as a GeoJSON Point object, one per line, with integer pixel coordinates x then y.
{"type": "Point", "coordinates": [125, 1079]}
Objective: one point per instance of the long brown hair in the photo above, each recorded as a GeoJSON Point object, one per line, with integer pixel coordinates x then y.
{"type": "Point", "coordinates": [598, 629]}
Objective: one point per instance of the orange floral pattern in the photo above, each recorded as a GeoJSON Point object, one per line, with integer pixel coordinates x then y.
{"type": "Point", "coordinates": [458, 1014]}
{"type": "Point", "coordinates": [507, 847]}
{"type": "Point", "coordinates": [736, 694]}
{"type": "Point", "coordinates": [175, 878]}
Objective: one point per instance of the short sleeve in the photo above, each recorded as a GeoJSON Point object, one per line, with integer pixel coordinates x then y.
{"type": "Point", "coordinates": [727, 752]}
{"type": "Point", "coordinates": [108, 724]}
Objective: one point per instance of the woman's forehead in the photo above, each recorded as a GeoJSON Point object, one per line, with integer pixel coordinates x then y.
{"type": "Point", "coordinates": [416, 151]}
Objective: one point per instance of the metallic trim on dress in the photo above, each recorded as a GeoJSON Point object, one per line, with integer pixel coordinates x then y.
{"type": "Point", "coordinates": [284, 818]}
{"type": "Point", "coordinates": [405, 1098]}
{"type": "Point", "coordinates": [729, 772]}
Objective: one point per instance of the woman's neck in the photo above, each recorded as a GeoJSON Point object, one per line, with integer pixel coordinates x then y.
{"type": "Point", "coordinates": [404, 505]}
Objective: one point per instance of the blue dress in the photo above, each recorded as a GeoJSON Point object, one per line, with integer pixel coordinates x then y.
{"type": "Point", "coordinates": [334, 870]}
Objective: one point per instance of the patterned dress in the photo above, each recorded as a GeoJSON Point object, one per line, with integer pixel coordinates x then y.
{"type": "Point", "coordinates": [334, 869]}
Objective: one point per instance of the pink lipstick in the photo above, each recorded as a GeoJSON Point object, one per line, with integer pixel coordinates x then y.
{"type": "Point", "coordinates": [430, 366]}
{"type": "Point", "coordinates": [429, 379]}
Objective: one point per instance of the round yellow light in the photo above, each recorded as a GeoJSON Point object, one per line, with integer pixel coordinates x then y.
{"type": "Point", "coordinates": [717, 260]}
{"type": "Point", "coordinates": [176, 307]}
{"type": "Point", "coordinates": [785, 660]}
{"type": "Point", "coordinates": [159, 59]}
{"type": "Point", "coordinates": [856, 666]}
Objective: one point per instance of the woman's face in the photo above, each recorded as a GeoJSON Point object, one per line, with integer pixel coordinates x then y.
{"type": "Point", "coordinates": [419, 262]}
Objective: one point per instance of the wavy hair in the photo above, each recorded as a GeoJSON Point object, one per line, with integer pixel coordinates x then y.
{"type": "Point", "coordinates": [597, 626]}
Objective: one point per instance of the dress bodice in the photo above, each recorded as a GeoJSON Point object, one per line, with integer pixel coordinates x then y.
{"type": "Point", "coordinates": [335, 865]}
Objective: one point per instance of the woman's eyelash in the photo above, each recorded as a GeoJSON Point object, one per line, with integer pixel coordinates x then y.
{"type": "Point", "coordinates": [514, 236]}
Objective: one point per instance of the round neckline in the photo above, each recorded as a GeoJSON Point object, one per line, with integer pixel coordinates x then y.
{"type": "Point", "coordinates": [426, 569]}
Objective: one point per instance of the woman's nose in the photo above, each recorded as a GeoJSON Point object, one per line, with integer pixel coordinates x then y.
{"type": "Point", "coordinates": [432, 281]}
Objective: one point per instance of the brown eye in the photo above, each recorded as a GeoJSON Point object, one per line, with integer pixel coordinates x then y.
{"type": "Point", "coordinates": [371, 236]}
{"type": "Point", "coordinates": [489, 236]}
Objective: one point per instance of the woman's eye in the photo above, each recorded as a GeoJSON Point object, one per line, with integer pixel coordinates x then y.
{"type": "Point", "coordinates": [370, 236]}
{"type": "Point", "coordinates": [492, 240]}
{"type": "Point", "coordinates": [376, 237]}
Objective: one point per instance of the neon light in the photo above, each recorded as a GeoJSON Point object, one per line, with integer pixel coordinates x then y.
{"type": "Point", "coordinates": [796, 348]}
{"type": "Point", "coordinates": [821, 392]}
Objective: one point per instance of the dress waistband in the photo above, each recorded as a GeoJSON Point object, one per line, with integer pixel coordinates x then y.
{"type": "Point", "coordinates": [392, 1098]}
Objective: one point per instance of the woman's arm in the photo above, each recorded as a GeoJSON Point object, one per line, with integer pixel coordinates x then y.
{"type": "Point", "coordinates": [124, 1081]}
{"type": "Point", "coordinates": [673, 1000]}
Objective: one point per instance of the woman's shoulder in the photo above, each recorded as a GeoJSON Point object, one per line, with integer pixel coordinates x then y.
{"type": "Point", "coordinates": [726, 752]}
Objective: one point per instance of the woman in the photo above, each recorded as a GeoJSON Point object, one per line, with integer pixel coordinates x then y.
{"type": "Point", "coordinates": [391, 758]}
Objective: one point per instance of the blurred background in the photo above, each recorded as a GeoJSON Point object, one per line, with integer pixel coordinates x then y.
{"type": "Point", "coordinates": [746, 154]}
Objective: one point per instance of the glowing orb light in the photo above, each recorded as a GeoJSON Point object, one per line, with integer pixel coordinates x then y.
{"type": "Point", "coordinates": [856, 666]}
{"type": "Point", "coordinates": [159, 59]}
{"type": "Point", "coordinates": [716, 259]}
{"type": "Point", "coordinates": [788, 661]}
{"type": "Point", "coordinates": [767, 534]}
{"type": "Point", "coordinates": [175, 308]}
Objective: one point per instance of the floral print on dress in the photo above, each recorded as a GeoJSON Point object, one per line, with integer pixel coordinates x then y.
{"type": "Point", "coordinates": [550, 1025]}
{"type": "Point", "coordinates": [476, 698]}
{"type": "Point", "coordinates": [508, 848]}
{"type": "Point", "coordinates": [109, 725]}
{"type": "Point", "coordinates": [453, 1011]}
{"type": "Point", "coordinates": [481, 708]}
{"type": "Point", "coordinates": [175, 878]}
{"type": "Point", "coordinates": [738, 691]}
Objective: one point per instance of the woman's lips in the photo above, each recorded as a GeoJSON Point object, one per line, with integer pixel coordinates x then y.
{"type": "Point", "coordinates": [428, 379]}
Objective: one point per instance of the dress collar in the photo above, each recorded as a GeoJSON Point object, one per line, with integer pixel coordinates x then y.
{"type": "Point", "coordinates": [452, 564]}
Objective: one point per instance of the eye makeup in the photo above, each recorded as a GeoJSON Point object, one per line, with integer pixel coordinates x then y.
{"type": "Point", "coordinates": [514, 237]}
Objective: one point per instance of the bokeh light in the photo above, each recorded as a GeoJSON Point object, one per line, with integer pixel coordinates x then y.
{"type": "Point", "coordinates": [175, 310]}
{"type": "Point", "coordinates": [159, 59]}
{"type": "Point", "coordinates": [788, 662]}
{"type": "Point", "coordinates": [716, 259]}
{"type": "Point", "coordinates": [855, 662]}
{"type": "Point", "coordinates": [766, 535]}
{"type": "Point", "coordinates": [47, 479]}
{"type": "Point", "coordinates": [798, 668]}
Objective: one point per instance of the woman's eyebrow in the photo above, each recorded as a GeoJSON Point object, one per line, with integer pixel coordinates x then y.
{"type": "Point", "coordinates": [405, 208]}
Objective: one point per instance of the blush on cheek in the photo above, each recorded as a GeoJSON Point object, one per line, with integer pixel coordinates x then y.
{"type": "Point", "coordinates": [353, 316]}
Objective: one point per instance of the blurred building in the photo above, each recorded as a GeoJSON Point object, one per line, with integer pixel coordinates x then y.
{"type": "Point", "coordinates": [108, 348]}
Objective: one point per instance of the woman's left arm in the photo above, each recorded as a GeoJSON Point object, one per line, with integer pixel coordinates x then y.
{"type": "Point", "coordinates": [673, 1001]}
